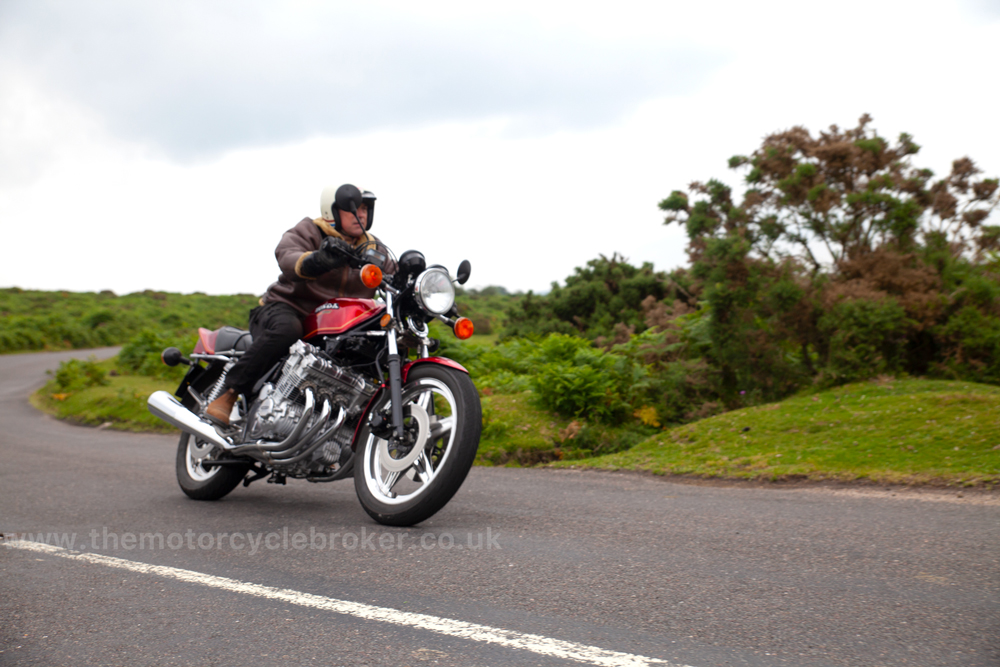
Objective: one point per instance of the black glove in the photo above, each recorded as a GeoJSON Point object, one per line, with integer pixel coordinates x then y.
{"type": "Point", "coordinates": [336, 247]}
{"type": "Point", "coordinates": [330, 256]}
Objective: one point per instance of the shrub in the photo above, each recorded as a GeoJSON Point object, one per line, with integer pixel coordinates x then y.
{"type": "Point", "coordinates": [74, 375]}
{"type": "Point", "coordinates": [973, 345]}
{"type": "Point", "coordinates": [604, 293]}
{"type": "Point", "coordinates": [502, 368]}
{"type": "Point", "coordinates": [866, 338]}
{"type": "Point", "coordinates": [141, 356]}
{"type": "Point", "coordinates": [577, 380]}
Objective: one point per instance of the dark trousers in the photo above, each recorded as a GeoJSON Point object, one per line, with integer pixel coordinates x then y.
{"type": "Point", "coordinates": [275, 327]}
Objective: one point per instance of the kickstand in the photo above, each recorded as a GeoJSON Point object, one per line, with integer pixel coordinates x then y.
{"type": "Point", "coordinates": [259, 473]}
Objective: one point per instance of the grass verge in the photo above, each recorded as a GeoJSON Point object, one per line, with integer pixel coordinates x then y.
{"type": "Point", "coordinates": [898, 432]}
{"type": "Point", "coordinates": [120, 405]}
{"type": "Point", "coordinates": [516, 433]}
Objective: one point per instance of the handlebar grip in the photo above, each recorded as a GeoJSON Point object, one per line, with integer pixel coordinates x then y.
{"type": "Point", "coordinates": [336, 246]}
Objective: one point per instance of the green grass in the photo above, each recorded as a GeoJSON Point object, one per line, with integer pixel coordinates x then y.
{"type": "Point", "coordinates": [119, 405]}
{"type": "Point", "coordinates": [901, 431]}
{"type": "Point", "coordinates": [516, 433]}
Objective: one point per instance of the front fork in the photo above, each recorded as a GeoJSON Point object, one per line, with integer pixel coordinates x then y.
{"type": "Point", "coordinates": [396, 374]}
{"type": "Point", "coordinates": [395, 383]}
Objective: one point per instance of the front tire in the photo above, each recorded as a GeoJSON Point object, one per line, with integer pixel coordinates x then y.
{"type": "Point", "coordinates": [443, 416]}
{"type": "Point", "coordinates": [203, 483]}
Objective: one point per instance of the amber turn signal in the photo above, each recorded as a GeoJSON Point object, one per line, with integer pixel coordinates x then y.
{"type": "Point", "coordinates": [463, 328]}
{"type": "Point", "coordinates": [371, 276]}
{"type": "Point", "coordinates": [384, 322]}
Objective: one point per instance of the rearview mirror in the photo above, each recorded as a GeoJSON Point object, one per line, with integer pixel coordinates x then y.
{"type": "Point", "coordinates": [464, 269]}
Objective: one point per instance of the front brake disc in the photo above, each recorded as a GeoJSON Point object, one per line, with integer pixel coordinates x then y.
{"type": "Point", "coordinates": [423, 431]}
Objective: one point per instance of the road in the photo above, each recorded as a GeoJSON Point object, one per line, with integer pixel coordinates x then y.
{"type": "Point", "coordinates": [523, 567]}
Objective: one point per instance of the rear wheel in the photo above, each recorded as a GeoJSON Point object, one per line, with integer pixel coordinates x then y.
{"type": "Point", "coordinates": [201, 482]}
{"type": "Point", "coordinates": [403, 484]}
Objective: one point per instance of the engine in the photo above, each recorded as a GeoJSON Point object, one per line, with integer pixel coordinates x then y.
{"type": "Point", "coordinates": [280, 406]}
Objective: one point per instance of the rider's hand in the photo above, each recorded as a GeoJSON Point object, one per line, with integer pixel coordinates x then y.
{"type": "Point", "coordinates": [335, 247]}
{"type": "Point", "coordinates": [330, 256]}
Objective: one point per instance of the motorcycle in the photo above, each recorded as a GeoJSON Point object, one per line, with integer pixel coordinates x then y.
{"type": "Point", "coordinates": [347, 400]}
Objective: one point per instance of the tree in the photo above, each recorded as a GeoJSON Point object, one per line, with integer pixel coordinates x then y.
{"type": "Point", "coordinates": [842, 260]}
{"type": "Point", "coordinates": [843, 193]}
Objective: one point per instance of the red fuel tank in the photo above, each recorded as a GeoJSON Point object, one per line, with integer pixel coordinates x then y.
{"type": "Point", "coordinates": [338, 315]}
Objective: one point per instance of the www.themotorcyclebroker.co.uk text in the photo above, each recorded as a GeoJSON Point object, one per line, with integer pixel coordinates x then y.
{"type": "Point", "coordinates": [252, 543]}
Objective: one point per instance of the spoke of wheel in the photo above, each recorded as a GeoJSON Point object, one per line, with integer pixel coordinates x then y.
{"type": "Point", "coordinates": [425, 399]}
{"type": "Point", "coordinates": [442, 427]}
{"type": "Point", "coordinates": [390, 480]}
{"type": "Point", "coordinates": [426, 471]}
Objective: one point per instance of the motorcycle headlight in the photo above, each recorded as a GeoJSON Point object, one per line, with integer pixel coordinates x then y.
{"type": "Point", "coordinates": [434, 291]}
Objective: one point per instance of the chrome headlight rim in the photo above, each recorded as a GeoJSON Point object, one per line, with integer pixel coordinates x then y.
{"type": "Point", "coordinates": [428, 286]}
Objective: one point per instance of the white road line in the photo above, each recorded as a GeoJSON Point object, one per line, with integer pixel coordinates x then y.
{"type": "Point", "coordinates": [481, 633]}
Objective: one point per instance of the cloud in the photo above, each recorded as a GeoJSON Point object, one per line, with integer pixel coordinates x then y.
{"type": "Point", "coordinates": [983, 9]}
{"type": "Point", "coordinates": [197, 79]}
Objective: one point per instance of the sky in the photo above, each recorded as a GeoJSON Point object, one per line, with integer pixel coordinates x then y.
{"type": "Point", "coordinates": [168, 146]}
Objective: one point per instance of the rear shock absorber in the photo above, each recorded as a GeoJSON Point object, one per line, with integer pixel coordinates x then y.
{"type": "Point", "coordinates": [220, 383]}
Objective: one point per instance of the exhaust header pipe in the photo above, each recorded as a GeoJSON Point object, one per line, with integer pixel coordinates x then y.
{"type": "Point", "coordinates": [165, 406]}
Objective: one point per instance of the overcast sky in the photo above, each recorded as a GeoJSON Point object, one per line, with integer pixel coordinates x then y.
{"type": "Point", "coordinates": [168, 145]}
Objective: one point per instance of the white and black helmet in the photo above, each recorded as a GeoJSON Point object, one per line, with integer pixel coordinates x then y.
{"type": "Point", "coordinates": [347, 197]}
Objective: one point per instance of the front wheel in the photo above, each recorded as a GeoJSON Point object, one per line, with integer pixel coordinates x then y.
{"type": "Point", "coordinates": [400, 484]}
{"type": "Point", "coordinates": [200, 482]}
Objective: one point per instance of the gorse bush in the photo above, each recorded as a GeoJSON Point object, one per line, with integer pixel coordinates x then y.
{"type": "Point", "coordinates": [597, 298]}
{"type": "Point", "coordinates": [866, 338]}
{"type": "Point", "coordinates": [75, 374]}
{"type": "Point", "coordinates": [142, 355]}
{"type": "Point", "coordinates": [566, 374]}
{"type": "Point", "coordinates": [973, 338]}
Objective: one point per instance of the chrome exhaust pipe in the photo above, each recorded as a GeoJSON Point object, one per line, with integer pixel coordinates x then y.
{"type": "Point", "coordinates": [166, 406]}
{"type": "Point", "coordinates": [289, 444]}
{"type": "Point", "coordinates": [268, 456]}
{"type": "Point", "coordinates": [314, 441]}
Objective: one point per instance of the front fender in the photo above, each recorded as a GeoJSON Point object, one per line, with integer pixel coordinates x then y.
{"type": "Point", "coordinates": [443, 361]}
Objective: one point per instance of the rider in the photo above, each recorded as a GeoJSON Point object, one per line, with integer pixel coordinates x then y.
{"type": "Point", "coordinates": [312, 272]}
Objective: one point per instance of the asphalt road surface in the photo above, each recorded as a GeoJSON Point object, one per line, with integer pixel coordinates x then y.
{"type": "Point", "coordinates": [523, 567]}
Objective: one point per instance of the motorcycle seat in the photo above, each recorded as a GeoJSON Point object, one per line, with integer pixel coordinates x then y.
{"type": "Point", "coordinates": [231, 338]}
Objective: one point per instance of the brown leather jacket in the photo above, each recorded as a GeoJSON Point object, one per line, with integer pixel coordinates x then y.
{"type": "Point", "coordinates": [305, 294]}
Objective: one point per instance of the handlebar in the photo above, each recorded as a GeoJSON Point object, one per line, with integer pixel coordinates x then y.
{"type": "Point", "coordinates": [338, 247]}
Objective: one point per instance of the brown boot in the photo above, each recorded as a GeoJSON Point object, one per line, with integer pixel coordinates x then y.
{"type": "Point", "coordinates": [219, 409]}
